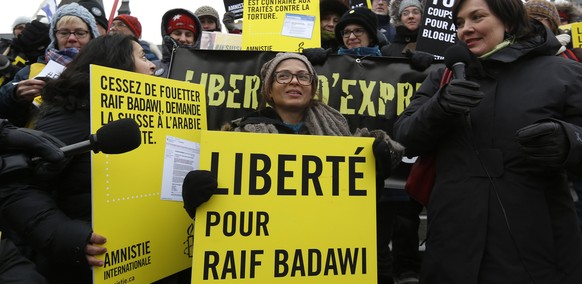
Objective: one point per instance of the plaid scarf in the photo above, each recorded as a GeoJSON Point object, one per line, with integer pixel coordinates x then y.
{"type": "Point", "coordinates": [62, 57]}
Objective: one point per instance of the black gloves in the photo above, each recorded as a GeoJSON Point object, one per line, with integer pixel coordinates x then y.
{"type": "Point", "coordinates": [316, 56]}
{"type": "Point", "coordinates": [25, 144]}
{"type": "Point", "coordinates": [33, 40]}
{"type": "Point", "coordinates": [198, 187]}
{"type": "Point", "coordinates": [460, 96]}
{"type": "Point", "coordinates": [544, 142]}
{"type": "Point", "coordinates": [34, 143]}
{"type": "Point", "coordinates": [419, 60]}
{"type": "Point", "coordinates": [383, 158]}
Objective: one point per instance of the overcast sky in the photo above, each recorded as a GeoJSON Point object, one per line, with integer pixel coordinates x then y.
{"type": "Point", "coordinates": [149, 12]}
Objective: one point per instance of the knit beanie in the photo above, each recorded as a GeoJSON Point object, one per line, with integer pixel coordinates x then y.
{"type": "Point", "coordinates": [336, 7]}
{"type": "Point", "coordinates": [181, 21]}
{"type": "Point", "coordinates": [398, 6]}
{"type": "Point", "coordinates": [546, 9]}
{"type": "Point", "coordinates": [269, 67]}
{"type": "Point", "coordinates": [95, 8]}
{"type": "Point", "coordinates": [407, 3]}
{"type": "Point", "coordinates": [131, 22]}
{"type": "Point", "coordinates": [361, 16]}
{"type": "Point", "coordinates": [209, 12]}
{"type": "Point", "coordinates": [19, 21]}
{"type": "Point", "coordinates": [72, 9]}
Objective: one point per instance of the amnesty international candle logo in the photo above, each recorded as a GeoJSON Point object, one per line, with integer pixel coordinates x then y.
{"type": "Point", "coordinates": [288, 209]}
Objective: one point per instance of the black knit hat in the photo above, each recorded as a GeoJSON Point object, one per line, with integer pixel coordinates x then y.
{"type": "Point", "coordinates": [361, 16]}
{"type": "Point", "coordinates": [332, 6]}
{"type": "Point", "coordinates": [97, 12]}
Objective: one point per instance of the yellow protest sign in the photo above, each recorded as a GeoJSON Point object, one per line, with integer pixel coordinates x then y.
{"type": "Point", "coordinates": [281, 25]}
{"type": "Point", "coordinates": [576, 35]}
{"type": "Point", "coordinates": [289, 209]}
{"type": "Point", "coordinates": [147, 238]}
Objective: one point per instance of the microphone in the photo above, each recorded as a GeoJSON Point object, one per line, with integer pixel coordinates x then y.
{"type": "Point", "coordinates": [116, 137]}
{"type": "Point", "coordinates": [456, 58]}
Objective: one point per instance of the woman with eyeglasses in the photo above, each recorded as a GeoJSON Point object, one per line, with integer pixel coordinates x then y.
{"type": "Point", "coordinates": [289, 101]}
{"type": "Point", "coordinates": [406, 16]}
{"type": "Point", "coordinates": [290, 104]}
{"type": "Point", "coordinates": [72, 27]}
{"type": "Point", "coordinates": [357, 33]}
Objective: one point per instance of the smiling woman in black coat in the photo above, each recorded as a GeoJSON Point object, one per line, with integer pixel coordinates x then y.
{"type": "Point", "coordinates": [500, 210]}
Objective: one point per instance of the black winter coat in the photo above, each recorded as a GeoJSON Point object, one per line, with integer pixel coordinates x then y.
{"type": "Point", "coordinates": [54, 216]}
{"type": "Point", "coordinates": [493, 216]}
{"type": "Point", "coordinates": [404, 39]}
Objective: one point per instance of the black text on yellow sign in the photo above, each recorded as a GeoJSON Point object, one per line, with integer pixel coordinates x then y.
{"type": "Point", "coordinates": [262, 172]}
{"type": "Point", "coordinates": [151, 105]}
{"type": "Point", "coordinates": [287, 263]}
{"type": "Point", "coordinates": [264, 175]}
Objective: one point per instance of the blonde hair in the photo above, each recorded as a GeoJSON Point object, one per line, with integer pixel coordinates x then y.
{"type": "Point", "coordinates": [65, 20]}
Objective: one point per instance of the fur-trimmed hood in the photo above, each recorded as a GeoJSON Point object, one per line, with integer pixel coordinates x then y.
{"type": "Point", "coordinates": [571, 10]}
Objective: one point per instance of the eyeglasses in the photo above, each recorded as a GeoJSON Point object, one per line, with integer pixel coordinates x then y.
{"type": "Point", "coordinates": [415, 12]}
{"type": "Point", "coordinates": [118, 24]}
{"type": "Point", "coordinates": [357, 32]}
{"type": "Point", "coordinates": [67, 33]}
{"type": "Point", "coordinates": [285, 77]}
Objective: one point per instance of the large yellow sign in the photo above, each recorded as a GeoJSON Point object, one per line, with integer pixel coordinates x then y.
{"type": "Point", "coordinates": [281, 25]}
{"type": "Point", "coordinates": [148, 238]}
{"type": "Point", "coordinates": [289, 209]}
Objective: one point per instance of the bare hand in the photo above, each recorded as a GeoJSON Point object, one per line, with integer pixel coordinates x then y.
{"type": "Point", "coordinates": [27, 90]}
{"type": "Point", "coordinates": [94, 248]}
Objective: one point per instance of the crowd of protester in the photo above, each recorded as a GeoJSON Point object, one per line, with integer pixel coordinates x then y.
{"type": "Point", "coordinates": [505, 136]}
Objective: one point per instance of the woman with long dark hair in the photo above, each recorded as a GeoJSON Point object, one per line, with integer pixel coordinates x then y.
{"type": "Point", "coordinates": [54, 216]}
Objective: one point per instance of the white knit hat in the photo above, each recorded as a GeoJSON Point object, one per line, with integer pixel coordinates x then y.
{"type": "Point", "coordinates": [408, 3]}
{"type": "Point", "coordinates": [20, 20]}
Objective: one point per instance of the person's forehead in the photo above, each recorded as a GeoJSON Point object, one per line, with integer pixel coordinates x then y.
{"type": "Point", "coordinates": [330, 14]}
{"type": "Point", "coordinates": [208, 18]}
{"type": "Point", "coordinates": [185, 31]}
{"type": "Point", "coordinates": [353, 25]}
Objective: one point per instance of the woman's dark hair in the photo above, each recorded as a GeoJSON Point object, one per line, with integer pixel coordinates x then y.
{"type": "Point", "coordinates": [72, 86]}
{"type": "Point", "coordinates": [512, 13]}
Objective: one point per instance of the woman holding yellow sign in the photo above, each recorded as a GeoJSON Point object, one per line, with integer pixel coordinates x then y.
{"type": "Point", "coordinates": [290, 104]}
